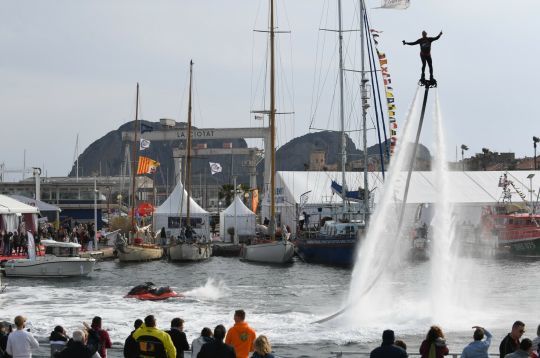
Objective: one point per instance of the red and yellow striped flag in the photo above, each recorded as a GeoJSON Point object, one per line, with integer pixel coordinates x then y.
{"type": "Point", "coordinates": [147, 166]}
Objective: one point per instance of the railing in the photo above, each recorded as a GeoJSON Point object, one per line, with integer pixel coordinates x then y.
{"type": "Point", "coordinates": [340, 354]}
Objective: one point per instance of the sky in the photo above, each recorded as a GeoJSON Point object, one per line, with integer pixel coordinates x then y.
{"type": "Point", "coordinates": [70, 68]}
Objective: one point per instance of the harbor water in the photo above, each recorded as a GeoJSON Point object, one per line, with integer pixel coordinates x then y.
{"type": "Point", "coordinates": [281, 302]}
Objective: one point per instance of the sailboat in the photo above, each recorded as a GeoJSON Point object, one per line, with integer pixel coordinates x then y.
{"type": "Point", "coordinates": [271, 251]}
{"type": "Point", "coordinates": [336, 241]}
{"type": "Point", "coordinates": [138, 249]}
{"type": "Point", "coordinates": [189, 245]}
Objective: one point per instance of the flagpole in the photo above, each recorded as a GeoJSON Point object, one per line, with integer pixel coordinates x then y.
{"type": "Point", "coordinates": [133, 161]}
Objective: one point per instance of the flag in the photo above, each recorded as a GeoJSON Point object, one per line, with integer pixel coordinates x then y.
{"type": "Point", "coordinates": [395, 4]}
{"type": "Point", "coordinates": [147, 166]}
{"type": "Point", "coordinates": [215, 168]}
{"type": "Point", "coordinates": [254, 200]}
{"type": "Point", "coordinates": [146, 128]}
{"type": "Point", "coordinates": [145, 144]}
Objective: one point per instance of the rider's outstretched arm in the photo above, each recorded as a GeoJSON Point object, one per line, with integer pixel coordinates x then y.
{"type": "Point", "coordinates": [411, 43]}
{"type": "Point", "coordinates": [436, 37]}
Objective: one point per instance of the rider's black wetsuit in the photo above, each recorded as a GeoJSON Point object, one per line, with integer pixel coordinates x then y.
{"type": "Point", "coordinates": [425, 52]}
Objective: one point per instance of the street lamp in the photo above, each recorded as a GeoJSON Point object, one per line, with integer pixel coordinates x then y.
{"type": "Point", "coordinates": [463, 149]}
{"type": "Point", "coordinates": [535, 140]}
{"type": "Point", "coordinates": [530, 176]}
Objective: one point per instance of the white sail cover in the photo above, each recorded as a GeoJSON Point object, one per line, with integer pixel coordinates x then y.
{"type": "Point", "coordinates": [245, 219]}
{"type": "Point", "coordinates": [168, 214]}
{"type": "Point", "coordinates": [395, 4]}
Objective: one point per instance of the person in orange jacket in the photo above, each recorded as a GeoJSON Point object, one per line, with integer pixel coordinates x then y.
{"type": "Point", "coordinates": [241, 336]}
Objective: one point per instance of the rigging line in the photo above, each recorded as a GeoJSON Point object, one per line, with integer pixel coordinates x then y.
{"type": "Point", "coordinates": [372, 64]}
{"type": "Point", "coordinates": [387, 144]}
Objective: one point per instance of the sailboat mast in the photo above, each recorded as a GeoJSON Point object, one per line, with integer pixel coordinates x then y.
{"type": "Point", "coordinates": [341, 113]}
{"type": "Point", "coordinates": [364, 109]}
{"type": "Point", "coordinates": [134, 160]}
{"type": "Point", "coordinates": [272, 127]}
{"type": "Point", "coordinates": [188, 149]}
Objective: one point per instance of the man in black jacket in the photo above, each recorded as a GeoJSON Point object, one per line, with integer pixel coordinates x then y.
{"type": "Point", "coordinates": [178, 337]}
{"type": "Point", "coordinates": [425, 52]}
{"type": "Point", "coordinates": [387, 348]}
{"type": "Point", "coordinates": [75, 347]}
{"type": "Point", "coordinates": [131, 347]}
{"type": "Point", "coordinates": [510, 343]}
{"type": "Point", "coordinates": [217, 349]}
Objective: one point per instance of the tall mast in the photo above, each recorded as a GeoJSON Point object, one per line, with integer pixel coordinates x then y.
{"type": "Point", "coordinates": [272, 128]}
{"type": "Point", "coordinates": [134, 160]}
{"type": "Point", "coordinates": [188, 149]}
{"type": "Point", "coordinates": [341, 113]}
{"type": "Point", "coordinates": [364, 110]}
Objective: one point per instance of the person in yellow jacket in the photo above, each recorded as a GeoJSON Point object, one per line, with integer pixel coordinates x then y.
{"type": "Point", "coordinates": [241, 336]}
{"type": "Point", "coordinates": [152, 341]}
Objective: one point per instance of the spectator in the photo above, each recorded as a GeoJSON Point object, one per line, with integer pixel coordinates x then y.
{"type": "Point", "coordinates": [241, 336]}
{"type": "Point", "coordinates": [196, 345]}
{"type": "Point", "coordinates": [103, 341]}
{"type": "Point", "coordinates": [262, 348]}
{"type": "Point", "coordinates": [217, 349]}
{"type": "Point", "coordinates": [4, 333]}
{"type": "Point", "coordinates": [510, 343]}
{"type": "Point", "coordinates": [178, 337]}
{"type": "Point", "coordinates": [155, 342]}
{"type": "Point", "coordinates": [401, 344]}
{"type": "Point", "coordinates": [131, 348]}
{"type": "Point", "coordinates": [478, 348]}
{"type": "Point", "coordinates": [20, 343]}
{"type": "Point", "coordinates": [434, 345]}
{"type": "Point", "coordinates": [536, 342]}
{"type": "Point", "coordinates": [388, 349]}
{"type": "Point", "coordinates": [524, 350]}
{"type": "Point", "coordinates": [58, 340]}
{"type": "Point", "coordinates": [76, 347]}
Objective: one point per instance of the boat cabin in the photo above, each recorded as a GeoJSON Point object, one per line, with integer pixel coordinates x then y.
{"type": "Point", "coordinates": [61, 249]}
{"type": "Point", "coordinates": [333, 228]}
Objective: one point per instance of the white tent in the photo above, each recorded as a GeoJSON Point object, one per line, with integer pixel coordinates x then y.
{"type": "Point", "coordinates": [245, 219]}
{"type": "Point", "coordinates": [11, 210]}
{"type": "Point", "coordinates": [168, 214]}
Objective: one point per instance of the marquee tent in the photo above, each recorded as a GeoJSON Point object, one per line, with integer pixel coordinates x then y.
{"type": "Point", "coordinates": [245, 219]}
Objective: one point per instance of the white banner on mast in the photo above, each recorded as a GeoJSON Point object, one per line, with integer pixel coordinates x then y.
{"type": "Point", "coordinates": [395, 4]}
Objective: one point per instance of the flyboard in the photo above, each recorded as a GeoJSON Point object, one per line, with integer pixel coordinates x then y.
{"type": "Point", "coordinates": [427, 84]}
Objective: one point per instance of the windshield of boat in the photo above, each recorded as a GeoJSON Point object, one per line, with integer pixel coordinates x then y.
{"type": "Point", "coordinates": [62, 251]}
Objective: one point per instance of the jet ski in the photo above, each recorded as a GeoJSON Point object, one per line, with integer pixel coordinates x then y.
{"type": "Point", "coordinates": [149, 292]}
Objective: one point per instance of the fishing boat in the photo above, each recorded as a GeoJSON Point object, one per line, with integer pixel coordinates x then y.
{"type": "Point", "coordinates": [271, 250]}
{"type": "Point", "coordinates": [61, 259]}
{"type": "Point", "coordinates": [137, 248]}
{"type": "Point", "coordinates": [336, 241]}
{"type": "Point", "coordinates": [511, 226]}
{"type": "Point", "coordinates": [189, 245]}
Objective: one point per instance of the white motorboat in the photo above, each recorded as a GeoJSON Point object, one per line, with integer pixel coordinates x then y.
{"type": "Point", "coordinates": [275, 252]}
{"type": "Point", "coordinates": [61, 259]}
{"type": "Point", "coordinates": [190, 251]}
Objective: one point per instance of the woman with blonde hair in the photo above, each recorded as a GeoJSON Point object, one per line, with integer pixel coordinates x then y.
{"type": "Point", "coordinates": [434, 346]}
{"type": "Point", "coordinates": [262, 348]}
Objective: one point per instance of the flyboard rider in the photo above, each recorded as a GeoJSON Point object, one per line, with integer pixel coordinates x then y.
{"type": "Point", "coordinates": [425, 52]}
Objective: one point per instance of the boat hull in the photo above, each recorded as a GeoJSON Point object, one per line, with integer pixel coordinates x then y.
{"type": "Point", "coordinates": [526, 247]}
{"type": "Point", "coordinates": [133, 253]}
{"type": "Point", "coordinates": [278, 252]}
{"type": "Point", "coordinates": [190, 252]}
{"type": "Point", "coordinates": [45, 267]}
{"type": "Point", "coordinates": [332, 252]}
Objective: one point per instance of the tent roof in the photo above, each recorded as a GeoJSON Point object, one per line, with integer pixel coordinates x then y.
{"type": "Point", "coordinates": [172, 204]}
{"type": "Point", "coordinates": [41, 205]}
{"type": "Point", "coordinates": [11, 206]}
{"type": "Point", "coordinates": [466, 187]}
{"type": "Point", "coordinates": [241, 208]}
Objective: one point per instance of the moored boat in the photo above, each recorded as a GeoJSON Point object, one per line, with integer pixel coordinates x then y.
{"type": "Point", "coordinates": [137, 252]}
{"type": "Point", "coordinates": [269, 251]}
{"type": "Point", "coordinates": [61, 259]}
{"type": "Point", "coordinates": [334, 244]}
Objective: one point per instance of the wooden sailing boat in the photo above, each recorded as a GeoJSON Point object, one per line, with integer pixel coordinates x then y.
{"type": "Point", "coordinates": [189, 246]}
{"type": "Point", "coordinates": [138, 249]}
{"type": "Point", "coordinates": [271, 251]}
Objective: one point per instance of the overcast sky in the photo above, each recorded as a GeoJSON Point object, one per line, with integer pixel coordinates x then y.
{"type": "Point", "coordinates": [71, 67]}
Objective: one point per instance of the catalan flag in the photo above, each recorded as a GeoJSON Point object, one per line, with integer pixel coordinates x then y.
{"type": "Point", "coordinates": [147, 166]}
